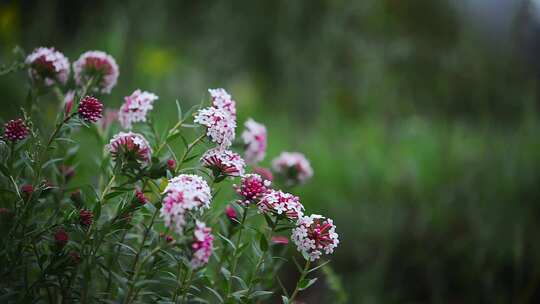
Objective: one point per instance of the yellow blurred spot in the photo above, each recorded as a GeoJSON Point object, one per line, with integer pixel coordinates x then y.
{"type": "Point", "coordinates": [156, 62]}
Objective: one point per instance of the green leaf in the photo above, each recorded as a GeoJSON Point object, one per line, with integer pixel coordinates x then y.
{"type": "Point", "coordinates": [215, 293]}
{"type": "Point", "coordinates": [319, 266]}
{"type": "Point", "coordinates": [179, 110]}
{"type": "Point", "coordinates": [242, 283]}
{"type": "Point", "coordinates": [226, 273]}
{"type": "Point", "coordinates": [305, 283]}
{"type": "Point", "coordinates": [263, 243]}
{"type": "Point", "coordinates": [260, 293]}
{"type": "Point", "coordinates": [50, 162]}
{"type": "Point", "coordinates": [227, 240]}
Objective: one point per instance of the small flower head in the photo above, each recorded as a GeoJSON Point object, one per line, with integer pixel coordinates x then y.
{"type": "Point", "coordinates": [223, 101]}
{"type": "Point", "coordinates": [184, 193]}
{"type": "Point", "coordinates": [281, 203]}
{"type": "Point", "coordinates": [140, 197]}
{"type": "Point", "coordinates": [130, 148]}
{"type": "Point", "coordinates": [86, 217]}
{"type": "Point", "coordinates": [219, 125]}
{"type": "Point", "coordinates": [254, 137]}
{"type": "Point", "coordinates": [171, 164]}
{"type": "Point", "coordinates": [100, 67]}
{"type": "Point", "coordinates": [252, 188]}
{"type": "Point", "coordinates": [16, 130]}
{"type": "Point", "coordinates": [315, 235]}
{"type": "Point", "coordinates": [231, 213]}
{"type": "Point", "coordinates": [27, 189]}
{"type": "Point", "coordinates": [90, 109]}
{"type": "Point", "coordinates": [202, 245]}
{"type": "Point", "coordinates": [135, 108]}
{"type": "Point", "coordinates": [47, 66]}
{"type": "Point", "coordinates": [61, 237]}
{"type": "Point", "coordinates": [293, 167]}
{"type": "Point", "coordinates": [69, 100]}
{"type": "Point", "coordinates": [223, 162]}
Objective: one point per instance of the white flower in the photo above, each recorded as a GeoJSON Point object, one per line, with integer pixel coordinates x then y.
{"type": "Point", "coordinates": [136, 108]}
{"type": "Point", "coordinates": [220, 125]}
{"type": "Point", "coordinates": [226, 162]}
{"type": "Point", "coordinates": [129, 146]}
{"type": "Point", "coordinates": [48, 66]}
{"type": "Point", "coordinates": [99, 66]}
{"type": "Point", "coordinates": [255, 140]}
{"type": "Point", "coordinates": [278, 202]}
{"type": "Point", "coordinates": [314, 235]}
{"type": "Point", "coordinates": [293, 167]}
{"type": "Point", "coordinates": [223, 101]}
{"type": "Point", "coordinates": [184, 193]}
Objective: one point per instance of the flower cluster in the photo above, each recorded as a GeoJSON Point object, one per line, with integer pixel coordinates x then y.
{"type": "Point", "coordinates": [202, 246]}
{"type": "Point", "coordinates": [15, 130]}
{"type": "Point", "coordinates": [47, 66]}
{"type": "Point", "coordinates": [136, 107]}
{"type": "Point", "coordinates": [280, 203]}
{"type": "Point", "coordinates": [130, 148]}
{"type": "Point", "coordinates": [219, 125]}
{"type": "Point", "coordinates": [254, 137]}
{"type": "Point", "coordinates": [90, 109]}
{"type": "Point", "coordinates": [99, 67]}
{"type": "Point", "coordinates": [314, 235]}
{"type": "Point", "coordinates": [223, 162]}
{"type": "Point", "coordinates": [223, 101]}
{"type": "Point", "coordinates": [293, 167]}
{"type": "Point", "coordinates": [184, 193]}
{"type": "Point", "coordinates": [252, 188]}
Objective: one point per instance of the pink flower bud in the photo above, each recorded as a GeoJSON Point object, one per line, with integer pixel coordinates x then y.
{"type": "Point", "coordinates": [278, 239]}
{"type": "Point", "coordinates": [231, 213]}
{"type": "Point", "coordinates": [27, 189]}
{"type": "Point", "coordinates": [171, 164]}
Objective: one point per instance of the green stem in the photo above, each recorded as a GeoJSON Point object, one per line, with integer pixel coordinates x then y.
{"type": "Point", "coordinates": [107, 188]}
{"type": "Point", "coordinates": [261, 260]}
{"type": "Point", "coordinates": [190, 147]}
{"type": "Point", "coordinates": [235, 252]}
{"type": "Point", "coordinates": [302, 277]}
{"type": "Point", "coordinates": [137, 256]}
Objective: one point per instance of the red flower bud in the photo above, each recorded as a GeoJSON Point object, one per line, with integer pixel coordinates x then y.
{"type": "Point", "coordinates": [86, 217]}
{"type": "Point", "coordinates": [61, 238]}
{"type": "Point", "coordinates": [171, 164]}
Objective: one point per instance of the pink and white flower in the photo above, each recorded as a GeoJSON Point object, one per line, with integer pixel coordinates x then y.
{"type": "Point", "coordinates": [223, 162]}
{"type": "Point", "coordinates": [97, 65]}
{"type": "Point", "coordinates": [255, 138]}
{"type": "Point", "coordinates": [293, 167]}
{"type": "Point", "coordinates": [223, 101]}
{"type": "Point", "coordinates": [315, 235]}
{"type": "Point", "coordinates": [220, 126]}
{"type": "Point", "coordinates": [252, 188]}
{"type": "Point", "coordinates": [48, 66]}
{"type": "Point", "coordinates": [202, 245]}
{"type": "Point", "coordinates": [278, 202]}
{"type": "Point", "coordinates": [184, 193]}
{"type": "Point", "coordinates": [130, 148]}
{"type": "Point", "coordinates": [136, 107]}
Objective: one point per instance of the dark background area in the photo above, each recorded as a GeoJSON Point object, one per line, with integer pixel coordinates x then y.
{"type": "Point", "coordinates": [420, 119]}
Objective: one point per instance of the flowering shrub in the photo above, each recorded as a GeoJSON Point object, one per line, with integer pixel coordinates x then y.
{"type": "Point", "coordinates": [148, 227]}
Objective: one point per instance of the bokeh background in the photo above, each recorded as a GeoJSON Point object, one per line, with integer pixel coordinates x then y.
{"type": "Point", "coordinates": [420, 119]}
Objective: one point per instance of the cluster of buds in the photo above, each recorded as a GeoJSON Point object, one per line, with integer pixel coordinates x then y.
{"type": "Point", "coordinates": [130, 149]}
{"type": "Point", "coordinates": [315, 235]}
{"type": "Point", "coordinates": [135, 108]}
{"type": "Point", "coordinates": [223, 162]}
{"type": "Point", "coordinates": [252, 188]}
{"type": "Point", "coordinates": [47, 66]}
{"type": "Point", "coordinates": [90, 109]}
{"type": "Point", "coordinates": [16, 130]}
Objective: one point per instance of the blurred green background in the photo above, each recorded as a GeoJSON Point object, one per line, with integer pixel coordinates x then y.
{"type": "Point", "coordinates": [420, 119]}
